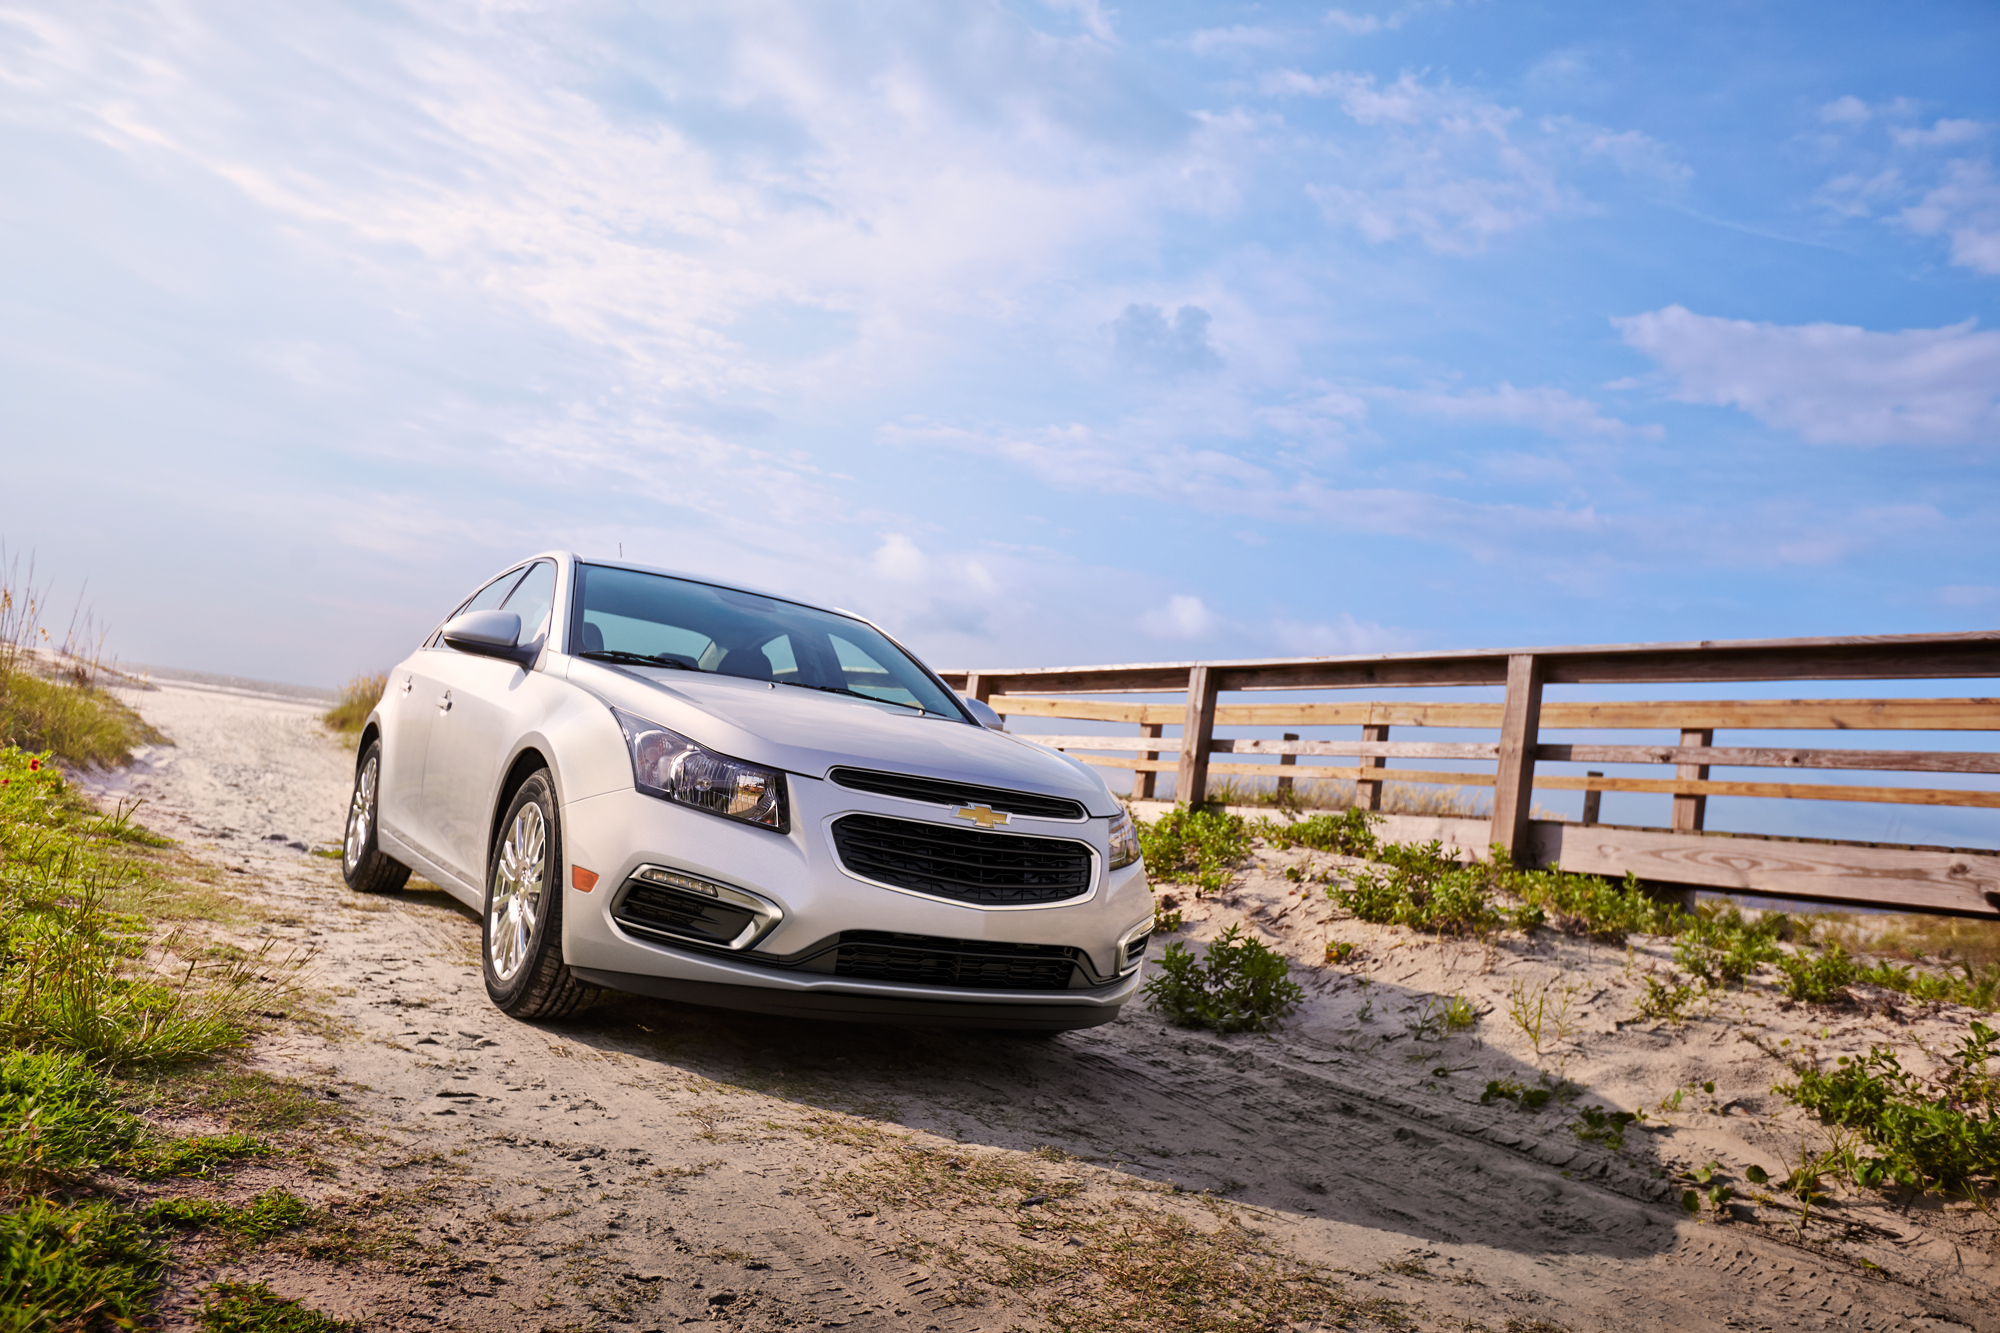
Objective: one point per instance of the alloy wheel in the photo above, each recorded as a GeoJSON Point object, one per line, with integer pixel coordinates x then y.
{"type": "Point", "coordinates": [361, 815]}
{"type": "Point", "coordinates": [519, 880]}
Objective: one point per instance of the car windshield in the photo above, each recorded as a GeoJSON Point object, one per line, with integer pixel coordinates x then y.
{"type": "Point", "coordinates": [635, 618]}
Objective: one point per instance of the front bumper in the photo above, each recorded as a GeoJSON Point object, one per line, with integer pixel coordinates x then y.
{"type": "Point", "coordinates": [830, 916]}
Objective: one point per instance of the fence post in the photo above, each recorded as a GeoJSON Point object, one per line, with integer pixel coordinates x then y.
{"type": "Point", "coordinates": [1191, 779]}
{"type": "Point", "coordinates": [1287, 761]}
{"type": "Point", "coordinates": [1520, 723]}
{"type": "Point", "coordinates": [1142, 780]}
{"type": "Point", "coordinates": [1368, 791]}
{"type": "Point", "coordinates": [1593, 801]}
{"type": "Point", "coordinates": [1689, 811]}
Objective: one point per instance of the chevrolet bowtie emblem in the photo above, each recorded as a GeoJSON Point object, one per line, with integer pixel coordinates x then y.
{"type": "Point", "coordinates": [983, 815]}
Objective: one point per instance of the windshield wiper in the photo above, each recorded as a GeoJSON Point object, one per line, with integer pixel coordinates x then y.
{"type": "Point", "coordinates": [637, 659]}
{"type": "Point", "coordinates": [857, 694]}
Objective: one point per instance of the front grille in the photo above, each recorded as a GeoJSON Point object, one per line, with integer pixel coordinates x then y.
{"type": "Point", "coordinates": [980, 964]}
{"type": "Point", "coordinates": [938, 791]}
{"type": "Point", "coordinates": [966, 865]}
{"type": "Point", "coordinates": [654, 909]}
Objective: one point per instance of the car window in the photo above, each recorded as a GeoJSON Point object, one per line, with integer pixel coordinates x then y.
{"type": "Point", "coordinates": [532, 599]}
{"type": "Point", "coordinates": [487, 598]}
{"type": "Point", "coordinates": [631, 614]}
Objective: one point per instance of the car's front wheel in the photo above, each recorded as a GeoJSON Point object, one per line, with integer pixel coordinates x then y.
{"type": "Point", "coordinates": [522, 951]}
{"type": "Point", "coordinates": [362, 862]}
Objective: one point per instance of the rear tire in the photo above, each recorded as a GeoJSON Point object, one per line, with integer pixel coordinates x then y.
{"type": "Point", "coordinates": [362, 862]}
{"type": "Point", "coordinates": [521, 941]}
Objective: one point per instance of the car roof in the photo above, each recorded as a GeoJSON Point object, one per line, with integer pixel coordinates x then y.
{"type": "Point", "coordinates": [705, 580]}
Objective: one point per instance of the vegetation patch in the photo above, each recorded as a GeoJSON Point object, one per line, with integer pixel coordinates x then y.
{"type": "Point", "coordinates": [1236, 985]}
{"type": "Point", "coordinates": [252, 1307]}
{"type": "Point", "coordinates": [1425, 889]}
{"type": "Point", "coordinates": [64, 1265]}
{"type": "Point", "coordinates": [1201, 847]}
{"type": "Point", "coordinates": [1940, 1133]}
{"type": "Point", "coordinates": [269, 1214]}
{"type": "Point", "coordinates": [1349, 833]}
{"type": "Point", "coordinates": [358, 698]}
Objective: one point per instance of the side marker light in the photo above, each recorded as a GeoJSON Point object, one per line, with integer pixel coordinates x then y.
{"type": "Point", "coordinates": [583, 880]}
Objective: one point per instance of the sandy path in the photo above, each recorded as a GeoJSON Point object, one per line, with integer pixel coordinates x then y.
{"type": "Point", "coordinates": [646, 1165]}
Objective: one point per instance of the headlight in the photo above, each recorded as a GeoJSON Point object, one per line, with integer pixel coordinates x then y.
{"type": "Point", "coordinates": [669, 765]}
{"type": "Point", "coordinates": [1124, 840]}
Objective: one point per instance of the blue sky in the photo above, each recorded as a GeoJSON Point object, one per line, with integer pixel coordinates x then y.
{"type": "Point", "coordinates": [1044, 332]}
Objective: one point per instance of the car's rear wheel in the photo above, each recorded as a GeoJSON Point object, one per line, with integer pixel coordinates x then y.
{"type": "Point", "coordinates": [522, 948]}
{"type": "Point", "coordinates": [362, 862]}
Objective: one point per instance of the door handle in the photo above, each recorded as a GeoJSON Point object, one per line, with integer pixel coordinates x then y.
{"type": "Point", "coordinates": [444, 704]}
{"type": "Point", "coordinates": [409, 683]}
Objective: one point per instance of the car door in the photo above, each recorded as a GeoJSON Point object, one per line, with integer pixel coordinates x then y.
{"type": "Point", "coordinates": [485, 705]}
{"type": "Point", "coordinates": [418, 693]}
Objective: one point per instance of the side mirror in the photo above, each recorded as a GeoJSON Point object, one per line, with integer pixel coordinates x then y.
{"type": "Point", "coordinates": [985, 714]}
{"type": "Point", "coordinates": [489, 634]}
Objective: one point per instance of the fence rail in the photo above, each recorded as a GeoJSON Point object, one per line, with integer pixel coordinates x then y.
{"type": "Point", "coordinates": [1930, 879]}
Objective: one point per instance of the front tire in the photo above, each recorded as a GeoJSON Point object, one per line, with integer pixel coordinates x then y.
{"type": "Point", "coordinates": [521, 943]}
{"type": "Point", "coordinates": [362, 862]}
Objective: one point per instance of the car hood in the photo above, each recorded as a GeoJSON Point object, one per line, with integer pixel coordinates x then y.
{"type": "Point", "coordinates": [808, 732]}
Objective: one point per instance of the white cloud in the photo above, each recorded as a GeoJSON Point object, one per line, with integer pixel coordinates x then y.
{"type": "Point", "coordinates": [1832, 383]}
{"type": "Point", "coordinates": [1144, 340]}
{"type": "Point", "coordinates": [1235, 39]}
{"type": "Point", "coordinates": [1944, 132]}
{"type": "Point", "coordinates": [1342, 635]}
{"type": "Point", "coordinates": [1966, 207]}
{"type": "Point", "coordinates": [1183, 617]}
{"type": "Point", "coordinates": [1452, 169]}
{"type": "Point", "coordinates": [1847, 110]}
{"type": "Point", "coordinates": [1551, 411]}
{"type": "Point", "coordinates": [899, 559]}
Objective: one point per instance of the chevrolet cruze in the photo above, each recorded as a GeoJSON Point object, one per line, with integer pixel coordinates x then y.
{"type": "Point", "coordinates": [656, 783]}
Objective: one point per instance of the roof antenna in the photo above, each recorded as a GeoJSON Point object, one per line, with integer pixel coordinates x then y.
{"type": "Point", "coordinates": [621, 550]}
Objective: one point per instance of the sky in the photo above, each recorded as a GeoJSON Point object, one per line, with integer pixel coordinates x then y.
{"type": "Point", "coordinates": [1043, 332]}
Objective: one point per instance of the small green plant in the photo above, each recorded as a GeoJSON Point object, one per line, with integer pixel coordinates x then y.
{"type": "Point", "coordinates": [252, 1307]}
{"type": "Point", "coordinates": [1201, 847]}
{"type": "Point", "coordinates": [1820, 977]}
{"type": "Point", "coordinates": [1723, 948]}
{"type": "Point", "coordinates": [1672, 1103]}
{"type": "Point", "coordinates": [74, 1265]}
{"type": "Point", "coordinates": [1237, 985]}
{"type": "Point", "coordinates": [1584, 905]}
{"type": "Point", "coordinates": [1440, 1016]}
{"type": "Point", "coordinates": [1543, 1012]}
{"type": "Point", "coordinates": [1424, 888]}
{"type": "Point", "coordinates": [1339, 951]}
{"type": "Point", "coordinates": [1349, 833]}
{"type": "Point", "coordinates": [1167, 923]}
{"type": "Point", "coordinates": [1507, 1089]}
{"type": "Point", "coordinates": [1941, 1133]}
{"type": "Point", "coordinates": [1663, 1001]}
{"type": "Point", "coordinates": [1594, 1124]}
{"type": "Point", "coordinates": [358, 698]}
{"type": "Point", "coordinates": [267, 1215]}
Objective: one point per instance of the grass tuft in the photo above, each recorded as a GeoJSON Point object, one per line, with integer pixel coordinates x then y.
{"type": "Point", "coordinates": [252, 1307]}
{"type": "Point", "coordinates": [65, 1265]}
{"type": "Point", "coordinates": [358, 698]}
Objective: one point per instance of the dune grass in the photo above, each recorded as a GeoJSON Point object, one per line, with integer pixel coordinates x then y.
{"type": "Point", "coordinates": [50, 697]}
{"type": "Point", "coordinates": [358, 698]}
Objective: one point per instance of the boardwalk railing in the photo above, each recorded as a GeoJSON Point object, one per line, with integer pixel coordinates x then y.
{"type": "Point", "coordinates": [1920, 878]}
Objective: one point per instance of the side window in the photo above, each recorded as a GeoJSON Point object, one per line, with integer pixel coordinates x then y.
{"type": "Point", "coordinates": [487, 598]}
{"type": "Point", "coordinates": [533, 599]}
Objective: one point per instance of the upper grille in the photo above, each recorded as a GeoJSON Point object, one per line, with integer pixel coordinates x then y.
{"type": "Point", "coordinates": [967, 865]}
{"type": "Point", "coordinates": [938, 791]}
{"type": "Point", "coordinates": [921, 960]}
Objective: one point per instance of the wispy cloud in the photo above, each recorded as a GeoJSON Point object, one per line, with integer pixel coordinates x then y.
{"type": "Point", "coordinates": [1832, 383]}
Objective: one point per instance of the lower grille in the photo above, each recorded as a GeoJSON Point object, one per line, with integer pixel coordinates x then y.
{"type": "Point", "coordinates": [963, 864]}
{"type": "Point", "coordinates": [654, 909]}
{"type": "Point", "coordinates": [926, 961]}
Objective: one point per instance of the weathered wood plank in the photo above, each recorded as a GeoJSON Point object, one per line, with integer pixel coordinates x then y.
{"type": "Point", "coordinates": [1887, 761]}
{"type": "Point", "coordinates": [1520, 727]}
{"type": "Point", "coordinates": [1710, 714]}
{"type": "Point", "coordinates": [1345, 773]}
{"type": "Point", "coordinates": [1367, 793]}
{"type": "Point", "coordinates": [1787, 791]}
{"type": "Point", "coordinates": [1486, 750]}
{"type": "Point", "coordinates": [1142, 783]}
{"type": "Point", "coordinates": [1958, 882]}
{"type": "Point", "coordinates": [1197, 732]}
{"type": "Point", "coordinates": [1690, 811]}
{"type": "Point", "coordinates": [1139, 744]}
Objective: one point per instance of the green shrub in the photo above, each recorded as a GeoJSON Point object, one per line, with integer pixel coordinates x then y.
{"type": "Point", "coordinates": [58, 1120]}
{"type": "Point", "coordinates": [1941, 1133]}
{"type": "Point", "coordinates": [1424, 889]}
{"type": "Point", "coordinates": [1722, 948]}
{"type": "Point", "coordinates": [72, 1265]}
{"type": "Point", "coordinates": [1594, 1124]}
{"type": "Point", "coordinates": [1820, 977]}
{"type": "Point", "coordinates": [1507, 1089]}
{"type": "Point", "coordinates": [1666, 1002]}
{"type": "Point", "coordinates": [1237, 985]}
{"type": "Point", "coordinates": [79, 723]}
{"type": "Point", "coordinates": [1587, 905]}
{"type": "Point", "coordinates": [1350, 833]}
{"type": "Point", "coordinates": [1200, 847]}
{"type": "Point", "coordinates": [1978, 988]}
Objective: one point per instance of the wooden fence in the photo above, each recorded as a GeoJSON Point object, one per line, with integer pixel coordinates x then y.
{"type": "Point", "coordinates": [1951, 880]}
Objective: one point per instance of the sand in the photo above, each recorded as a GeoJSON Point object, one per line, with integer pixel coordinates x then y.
{"type": "Point", "coordinates": [648, 1165]}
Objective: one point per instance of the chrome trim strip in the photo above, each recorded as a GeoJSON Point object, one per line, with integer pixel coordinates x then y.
{"type": "Point", "coordinates": [765, 915]}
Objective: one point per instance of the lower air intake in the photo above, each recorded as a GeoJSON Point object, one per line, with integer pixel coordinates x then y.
{"type": "Point", "coordinates": [922, 960]}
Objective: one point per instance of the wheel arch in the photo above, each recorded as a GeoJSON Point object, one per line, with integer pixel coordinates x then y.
{"type": "Point", "coordinates": [371, 731]}
{"type": "Point", "coordinates": [530, 758]}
